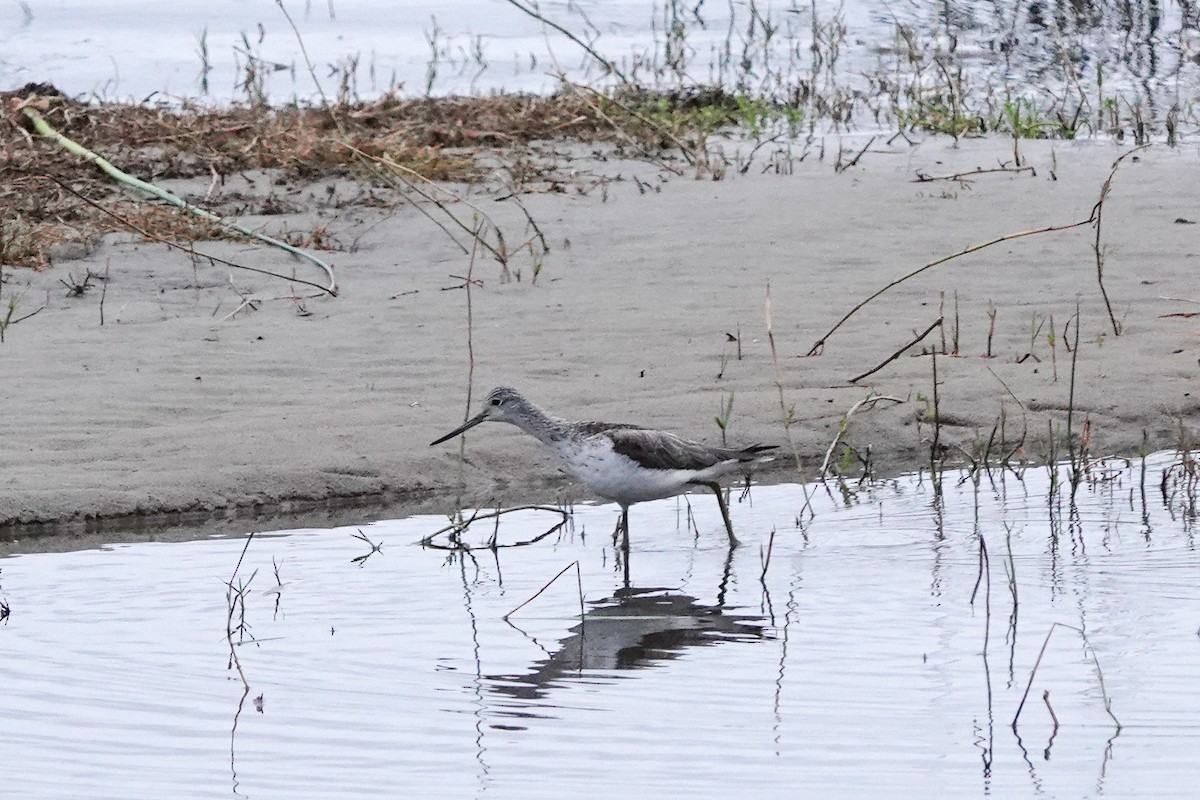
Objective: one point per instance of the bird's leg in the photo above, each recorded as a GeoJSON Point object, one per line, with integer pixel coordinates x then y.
{"type": "Point", "coordinates": [716, 488]}
{"type": "Point", "coordinates": [625, 528]}
{"type": "Point", "coordinates": [625, 562]}
{"type": "Point", "coordinates": [622, 529]}
{"type": "Point", "coordinates": [625, 543]}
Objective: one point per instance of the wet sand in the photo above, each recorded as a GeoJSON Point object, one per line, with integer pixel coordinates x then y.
{"type": "Point", "coordinates": [173, 413]}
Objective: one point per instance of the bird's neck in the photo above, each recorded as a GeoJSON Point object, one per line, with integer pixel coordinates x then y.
{"type": "Point", "coordinates": [546, 428]}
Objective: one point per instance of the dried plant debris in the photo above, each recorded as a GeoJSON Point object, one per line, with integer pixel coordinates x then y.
{"type": "Point", "coordinates": [438, 139]}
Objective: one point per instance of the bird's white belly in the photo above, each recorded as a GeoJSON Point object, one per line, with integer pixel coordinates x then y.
{"type": "Point", "coordinates": [620, 478]}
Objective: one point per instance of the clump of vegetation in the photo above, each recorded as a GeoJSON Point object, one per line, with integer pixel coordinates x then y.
{"type": "Point", "coordinates": [436, 139]}
{"type": "Point", "coordinates": [768, 79]}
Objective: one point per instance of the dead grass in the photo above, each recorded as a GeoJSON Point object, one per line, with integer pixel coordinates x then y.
{"type": "Point", "coordinates": [438, 138]}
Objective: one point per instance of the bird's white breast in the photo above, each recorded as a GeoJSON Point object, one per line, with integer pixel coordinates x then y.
{"type": "Point", "coordinates": [616, 477]}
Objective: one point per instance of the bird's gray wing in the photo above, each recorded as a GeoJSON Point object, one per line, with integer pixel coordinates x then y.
{"type": "Point", "coordinates": [662, 450]}
{"type": "Point", "coordinates": [593, 428]}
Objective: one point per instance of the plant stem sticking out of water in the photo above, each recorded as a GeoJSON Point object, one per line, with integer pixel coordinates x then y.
{"type": "Point", "coordinates": [235, 600]}
{"type": "Point", "coordinates": [1054, 718]}
{"type": "Point", "coordinates": [1095, 660]}
{"type": "Point", "coordinates": [205, 62]}
{"type": "Point", "coordinates": [375, 548]}
{"type": "Point", "coordinates": [764, 557]}
{"type": "Point", "coordinates": [788, 415]}
{"type": "Point", "coordinates": [872, 399]}
{"type": "Point", "coordinates": [549, 583]}
{"type": "Point", "coordinates": [304, 52]}
{"type": "Point", "coordinates": [1078, 456]}
{"type": "Point", "coordinates": [935, 446]}
{"type": "Point", "coordinates": [531, 8]}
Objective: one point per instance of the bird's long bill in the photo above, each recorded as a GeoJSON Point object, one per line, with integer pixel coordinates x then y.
{"type": "Point", "coordinates": [471, 423]}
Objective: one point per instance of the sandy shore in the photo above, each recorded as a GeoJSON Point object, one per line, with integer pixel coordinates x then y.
{"type": "Point", "coordinates": [174, 408]}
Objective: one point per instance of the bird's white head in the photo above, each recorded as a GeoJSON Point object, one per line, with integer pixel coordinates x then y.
{"type": "Point", "coordinates": [501, 405]}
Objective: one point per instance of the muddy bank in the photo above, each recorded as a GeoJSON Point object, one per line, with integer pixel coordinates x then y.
{"type": "Point", "coordinates": [177, 404]}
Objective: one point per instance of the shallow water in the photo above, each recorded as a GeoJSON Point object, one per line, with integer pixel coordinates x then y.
{"type": "Point", "coordinates": [858, 666]}
{"type": "Point", "coordinates": [138, 49]}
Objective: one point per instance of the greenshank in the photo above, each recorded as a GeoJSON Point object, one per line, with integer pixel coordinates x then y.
{"type": "Point", "coordinates": [622, 463]}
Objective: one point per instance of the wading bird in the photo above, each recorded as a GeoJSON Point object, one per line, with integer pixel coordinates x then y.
{"type": "Point", "coordinates": [622, 463]}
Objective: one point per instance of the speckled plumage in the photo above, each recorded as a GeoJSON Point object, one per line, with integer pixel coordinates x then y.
{"type": "Point", "coordinates": [623, 463]}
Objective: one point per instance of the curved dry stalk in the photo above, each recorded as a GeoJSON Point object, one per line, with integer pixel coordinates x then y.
{"type": "Point", "coordinates": [820, 343]}
{"type": "Point", "coordinates": [44, 130]}
{"type": "Point", "coordinates": [1093, 218]}
{"type": "Point", "coordinates": [1098, 212]}
{"type": "Point", "coordinates": [191, 251]}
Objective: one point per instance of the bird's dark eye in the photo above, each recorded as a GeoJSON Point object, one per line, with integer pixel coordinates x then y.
{"type": "Point", "coordinates": [495, 401]}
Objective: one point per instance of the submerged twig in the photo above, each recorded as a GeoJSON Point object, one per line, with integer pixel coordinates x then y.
{"type": "Point", "coordinates": [461, 525]}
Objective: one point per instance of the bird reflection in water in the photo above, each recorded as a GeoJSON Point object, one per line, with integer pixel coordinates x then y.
{"type": "Point", "coordinates": [633, 629]}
